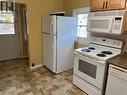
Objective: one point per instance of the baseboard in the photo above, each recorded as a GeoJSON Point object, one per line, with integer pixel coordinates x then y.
{"type": "Point", "coordinates": [37, 66]}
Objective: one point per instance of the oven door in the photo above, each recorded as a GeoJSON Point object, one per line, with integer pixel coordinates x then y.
{"type": "Point", "coordinates": [101, 24]}
{"type": "Point", "coordinates": [89, 69]}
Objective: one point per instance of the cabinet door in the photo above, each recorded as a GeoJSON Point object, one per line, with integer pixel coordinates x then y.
{"type": "Point", "coordinates": [116, 4]}
{"type": "Point", "coordinates": [125, 27]}
{"type": "Point", "coordinates": [97, 5]}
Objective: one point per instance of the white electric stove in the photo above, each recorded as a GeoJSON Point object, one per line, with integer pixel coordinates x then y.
{"type": "Point", "coordinates": [98, 52]}
{"type": "Point", "coordinates": [90, 64]}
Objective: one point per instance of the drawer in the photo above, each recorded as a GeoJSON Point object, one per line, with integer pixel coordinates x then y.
{"type": "Point", "coordinates": [86, 87]}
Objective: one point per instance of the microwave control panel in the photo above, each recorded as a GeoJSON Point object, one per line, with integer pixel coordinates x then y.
{"type": "Point", "coordinates": [117, 25]}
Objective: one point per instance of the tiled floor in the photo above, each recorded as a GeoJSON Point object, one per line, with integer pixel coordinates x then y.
{"type": "Point", "coordinates": [17, 79]}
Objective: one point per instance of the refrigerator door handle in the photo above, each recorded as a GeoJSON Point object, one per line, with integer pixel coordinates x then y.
{"type": "Point", "coordinates": [51, 33]}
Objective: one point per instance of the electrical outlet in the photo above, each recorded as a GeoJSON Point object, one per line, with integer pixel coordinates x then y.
{"type": "Point", "coordinates": [33, 65]}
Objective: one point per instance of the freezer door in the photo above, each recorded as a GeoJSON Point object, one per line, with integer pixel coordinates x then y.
{"type": "Point", "coordinates": [66, 34]}
{"type": "Point", "coordinates": [49, 24]}
{"type": "Point", "coordinates": [49, 51]}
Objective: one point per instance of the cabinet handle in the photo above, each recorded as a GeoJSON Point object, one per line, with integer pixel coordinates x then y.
{"type": "Point", "coordinates": [103, 5]}
{"type": "Point", "coordinates": [106, 4]}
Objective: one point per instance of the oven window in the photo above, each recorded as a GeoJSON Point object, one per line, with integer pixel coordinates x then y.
{"type": "Point", "coordinates": [87, 68]}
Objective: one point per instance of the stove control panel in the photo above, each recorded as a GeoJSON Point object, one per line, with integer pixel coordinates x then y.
{"type": "Point", "coordinates": [107, 42]}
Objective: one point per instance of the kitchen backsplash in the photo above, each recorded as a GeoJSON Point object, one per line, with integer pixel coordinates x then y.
{"type": "Point", "coordinates": [123, 38]}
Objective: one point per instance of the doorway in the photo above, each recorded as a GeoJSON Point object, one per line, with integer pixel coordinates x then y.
{"type": "Point", "coordinates": [14, 41]}
{"type": "Point", "coordinates": [21, 27]}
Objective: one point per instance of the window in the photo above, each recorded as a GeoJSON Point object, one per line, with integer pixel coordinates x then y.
{"type": "Point", "coordinates": [82, 25]}
{"type": "Point", "coordinates": [6, 23]}
{"type": "Point", "coordinates": [82, 17]}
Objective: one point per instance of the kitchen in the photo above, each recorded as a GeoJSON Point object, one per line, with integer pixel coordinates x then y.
{"type": "Point", "coordinates": [114, 77]}
{"type": "Point", "coordinates": [35, 51]}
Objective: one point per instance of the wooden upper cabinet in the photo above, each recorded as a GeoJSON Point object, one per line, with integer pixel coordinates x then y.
{"type": "Point", "coordinates": [96, 5]}
{"type": "Point", "coordinates": [125, 27]}
{"type": "Point", "coordinates": [102, 5]}
{"type": "Point", "coordinates": [116, 4]}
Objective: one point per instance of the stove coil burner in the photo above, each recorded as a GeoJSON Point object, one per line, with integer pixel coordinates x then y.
{"type": "Point", "coordinates": [101, 55]}
{"type": "Point", "coordinates": [107, 52]}
{"type": "Point", "coordinates": [91, 48]}
{"type": "Point", "coordinates": [85, 50]}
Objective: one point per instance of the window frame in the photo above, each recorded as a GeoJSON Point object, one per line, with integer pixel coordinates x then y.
{"type": "Point", "coordinates": [85, 10]}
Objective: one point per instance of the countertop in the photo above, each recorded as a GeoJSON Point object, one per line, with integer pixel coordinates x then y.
{"type": "Point", "coordinates": [120, 61]}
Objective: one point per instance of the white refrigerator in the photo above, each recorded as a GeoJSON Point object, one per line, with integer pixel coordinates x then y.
{"type": "Point", "coordinates": [59, 34]}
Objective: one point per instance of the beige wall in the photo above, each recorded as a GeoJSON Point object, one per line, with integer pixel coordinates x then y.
{"type": "Point", "coordinates": [36, 9]}
{"type": "Point", "coordinates": [69, 5]}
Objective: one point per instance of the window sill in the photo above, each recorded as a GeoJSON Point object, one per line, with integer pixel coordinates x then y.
{"type": "Point", "coordinates": [83, 40]}
{"type": "Point", "coordinates": [81, 37]}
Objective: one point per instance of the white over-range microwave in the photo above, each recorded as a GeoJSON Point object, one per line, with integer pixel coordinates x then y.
{"type": "Point", "coordinates": [111, 22]}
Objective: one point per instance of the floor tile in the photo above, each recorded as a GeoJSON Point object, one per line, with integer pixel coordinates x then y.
{"type": "Point", "coordinates": [17, 79]}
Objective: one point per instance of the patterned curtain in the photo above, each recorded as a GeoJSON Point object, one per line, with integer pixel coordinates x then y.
{"type": "Point", "coordinates": [7, 6]}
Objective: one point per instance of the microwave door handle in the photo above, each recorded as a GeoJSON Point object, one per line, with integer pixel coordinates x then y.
{"type": "Point", "coordinates": [88, 24]}
{"type": "Point", "coordinates": [111, 24]}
